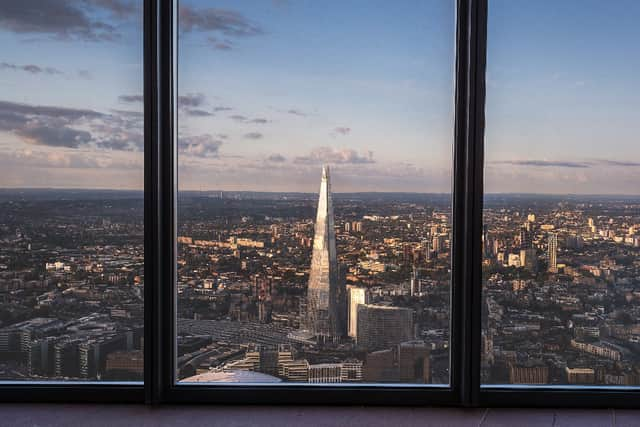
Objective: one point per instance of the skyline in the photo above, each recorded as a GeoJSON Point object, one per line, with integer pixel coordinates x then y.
{"type": "Point", "coordinates": [267, 96]}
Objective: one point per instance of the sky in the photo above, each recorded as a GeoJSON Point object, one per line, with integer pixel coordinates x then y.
{"type": "Point", "coordinates": [269, 90]}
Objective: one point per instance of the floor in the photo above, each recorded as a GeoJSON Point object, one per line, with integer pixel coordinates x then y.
{"type": "Point", "coordinates": [42, 415]}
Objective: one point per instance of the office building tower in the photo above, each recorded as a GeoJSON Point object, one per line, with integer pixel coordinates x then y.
{"type": "Point", "coordinates": [528, 259]}
{"type": "Point", "coordinates": [553, 252]}
{"type": "Point", "coordinates": [438, 243]}
{"type": "Point", "coordinates": [414, 284]}
{"type": "Point", "coordinates": [357, 296]}
{"type": "Point", "coordinates": [381, 327]}
{"type": "Point", "coordinates": [325, 294]}
{"type": "Point", "coordinates": [526, 238]}
{"type": "Point", "coordinates": [262, 294]}
{"type": "Point", "coordinates": [408, 362]}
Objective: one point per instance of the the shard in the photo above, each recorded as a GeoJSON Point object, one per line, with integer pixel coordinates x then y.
{"type": "Point", "coordinates": [325, 293]}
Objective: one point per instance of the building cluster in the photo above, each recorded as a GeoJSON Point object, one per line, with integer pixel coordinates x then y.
{"type": "Point", "coordinates": [49, 348]}
{"type": "Point", "coordinates": [71, 289]}
{"type": "Point", "coordinates": [562, 291]}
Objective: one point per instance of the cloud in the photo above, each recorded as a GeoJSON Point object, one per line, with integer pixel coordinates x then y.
{"type": "Point", "coordinates": [194, 112]}
{"type": "Point", "coordinates": [296, 112]}
{"type": "Point", "coordinates": [60, 136]}
{"type": "Point", "coordinates": [85, 74]}
{"type": "Point", "coordinates": [341, 131]}
{"type": "Point", "coordinates": [190, 100]}
{"type": "Point", "coordinates": [276, 158]}
{"type": "Point", "coordinates": [48, 111]}
{"type": "Point", "coordinates": [120, 131]}
{"type": "Point", "coordinates": [71, 127]}
{"type": "Point", "coordinates": [131, 98]}
{"type": "Point", "coordinates": [336, 156]}
{"type": "Point", "coordinates": [189, 103]}
{"type": "Point", "coordinates": [30, 68]}
{"type": "Point", "coordinates": [220, 21]}
{"type": "Point", "coordinates": [244, 119]}
{"type": "Point", "coordinates": [222, 108]}
{"type": "Point", "coordinates": [199, 146]}
{"type": "Point", "coordinates": [543, 163]}
{"type": "Point", "coordinates": [60, 159]}
{"type": "Point", "coordinates": [566, 164]}
{"type": "Point", "coordinates": [253, 135]}
{"type": "Point", "coordinates": [220, 44]}
{"type": "Point", "coordinates": [66, 19]}
{"type": "Point", "coordinates": [119, 8]}
{"type": "Point", "coordinates": [618, 163]}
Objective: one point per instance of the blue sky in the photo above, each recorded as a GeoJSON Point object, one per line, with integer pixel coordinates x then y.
{"type": "Point", "coordinates": [563, 101]}
{"type": "Point", "coordinates": [271, 89]}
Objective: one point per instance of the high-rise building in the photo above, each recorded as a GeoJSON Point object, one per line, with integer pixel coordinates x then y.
{"type": "Point", "coordinates": [528, 259]}
{"type": "Point", "coordinates": [381, 327]}
{"type": "Point", "coordinates": [526, 238]}
{"type": "Point", "coordinates": [262, 295]}
{"type": "Point", "coordinates": [438, 243]}
{"type": "Point", "coordinates": [357, 296]}
{"type": "Point", "coordinates": [408, 362]}
{"type": "Point", "coordinates": [325, 294]}
{"type": "Point", "coordinates": [553, 252]}
{"type": "Point", "coordinates": [414, 284]}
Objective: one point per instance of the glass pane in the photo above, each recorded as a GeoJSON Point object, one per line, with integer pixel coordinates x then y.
{"type": "Point", "coordinates": [562, 204]}
{"type": "Point", "coordinates": [71, 180]}
{"type": "Point", "coordinates": [314, 218]}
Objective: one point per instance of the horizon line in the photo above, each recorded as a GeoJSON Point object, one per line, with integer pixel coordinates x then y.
{"type": "Point", "coordinates": [314, 192]}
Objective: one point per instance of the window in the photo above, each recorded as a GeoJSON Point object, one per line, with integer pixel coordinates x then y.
{"type": "Point", "coordinates": [561, 213]}
{"type": "Point", "coordinates": [311, 205]}
{"type": "Point", "coordinates": [314, 206]}
{"type": "Point", "coordinates": [71, 203]}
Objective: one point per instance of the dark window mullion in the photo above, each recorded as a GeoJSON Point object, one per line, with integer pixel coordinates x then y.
{"type": "Point", "coordinates": [160, 191]}
{"type": "Point", "coordinates": [470, 94]}
{"type": "Point", "coordinates": [475, 186]}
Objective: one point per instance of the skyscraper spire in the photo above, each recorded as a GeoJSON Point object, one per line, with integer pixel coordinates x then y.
{"type": "Point", "coordinates": [324, 315]}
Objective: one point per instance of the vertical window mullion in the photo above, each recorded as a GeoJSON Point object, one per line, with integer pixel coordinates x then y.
{"type": "Point", "coordinates": [160, 189]}
{"type": "Point", "coordinates": [475, 185]}
{"type": "Point", "coordinates": [468, 158]}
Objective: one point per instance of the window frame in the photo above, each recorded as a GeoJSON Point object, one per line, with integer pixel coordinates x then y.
{"type": "Point", "coordinates": [468, 69]}
{"type": "Point", "coordinates": [160, 198]}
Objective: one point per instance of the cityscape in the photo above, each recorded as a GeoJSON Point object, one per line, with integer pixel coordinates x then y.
{"type": "Point", "coordinates": [361, 294]}
{"type": "Point", "coordinates": [321, 288]}
{"type": "Point", "coordinates": [561, 290]}
{"type": "Point", "coordinates": [71, 285]}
